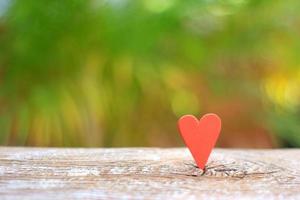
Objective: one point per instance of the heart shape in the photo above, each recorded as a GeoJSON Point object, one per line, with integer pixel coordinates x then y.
{"type": "Point", "coordinates": [200, 136]}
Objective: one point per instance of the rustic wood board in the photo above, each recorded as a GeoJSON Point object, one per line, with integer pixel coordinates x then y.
{"type": "Point", "coordinates": [147, 173]}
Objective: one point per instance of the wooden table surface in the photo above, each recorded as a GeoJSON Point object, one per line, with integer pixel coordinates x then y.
{"type": "Point", "coordinates": [147, 173]}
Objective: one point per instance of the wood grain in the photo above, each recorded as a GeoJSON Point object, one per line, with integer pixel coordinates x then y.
{"type": "Point", "coordinates": [147, 173]}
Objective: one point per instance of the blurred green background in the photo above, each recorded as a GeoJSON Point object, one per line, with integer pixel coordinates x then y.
{"type": "Point", "coordinates": [119, 73]}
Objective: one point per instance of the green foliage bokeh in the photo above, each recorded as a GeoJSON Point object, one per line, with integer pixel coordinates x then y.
{"type": "Point", "coordinates": [120, 73]}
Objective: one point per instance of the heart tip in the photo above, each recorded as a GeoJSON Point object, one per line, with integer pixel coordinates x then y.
{"type": "Point", "coordinates": [200, 167]}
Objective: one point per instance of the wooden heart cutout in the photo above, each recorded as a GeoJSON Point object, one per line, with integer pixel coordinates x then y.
{"type": "Point", "coordinates": [200, 136]}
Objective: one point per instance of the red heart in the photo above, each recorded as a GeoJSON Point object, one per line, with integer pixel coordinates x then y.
{"type": "Point", "coordinates": [200, 136]}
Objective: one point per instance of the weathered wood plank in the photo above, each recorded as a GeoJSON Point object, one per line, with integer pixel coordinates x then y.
{"type": "Point", "coordinates": [147, 173]}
